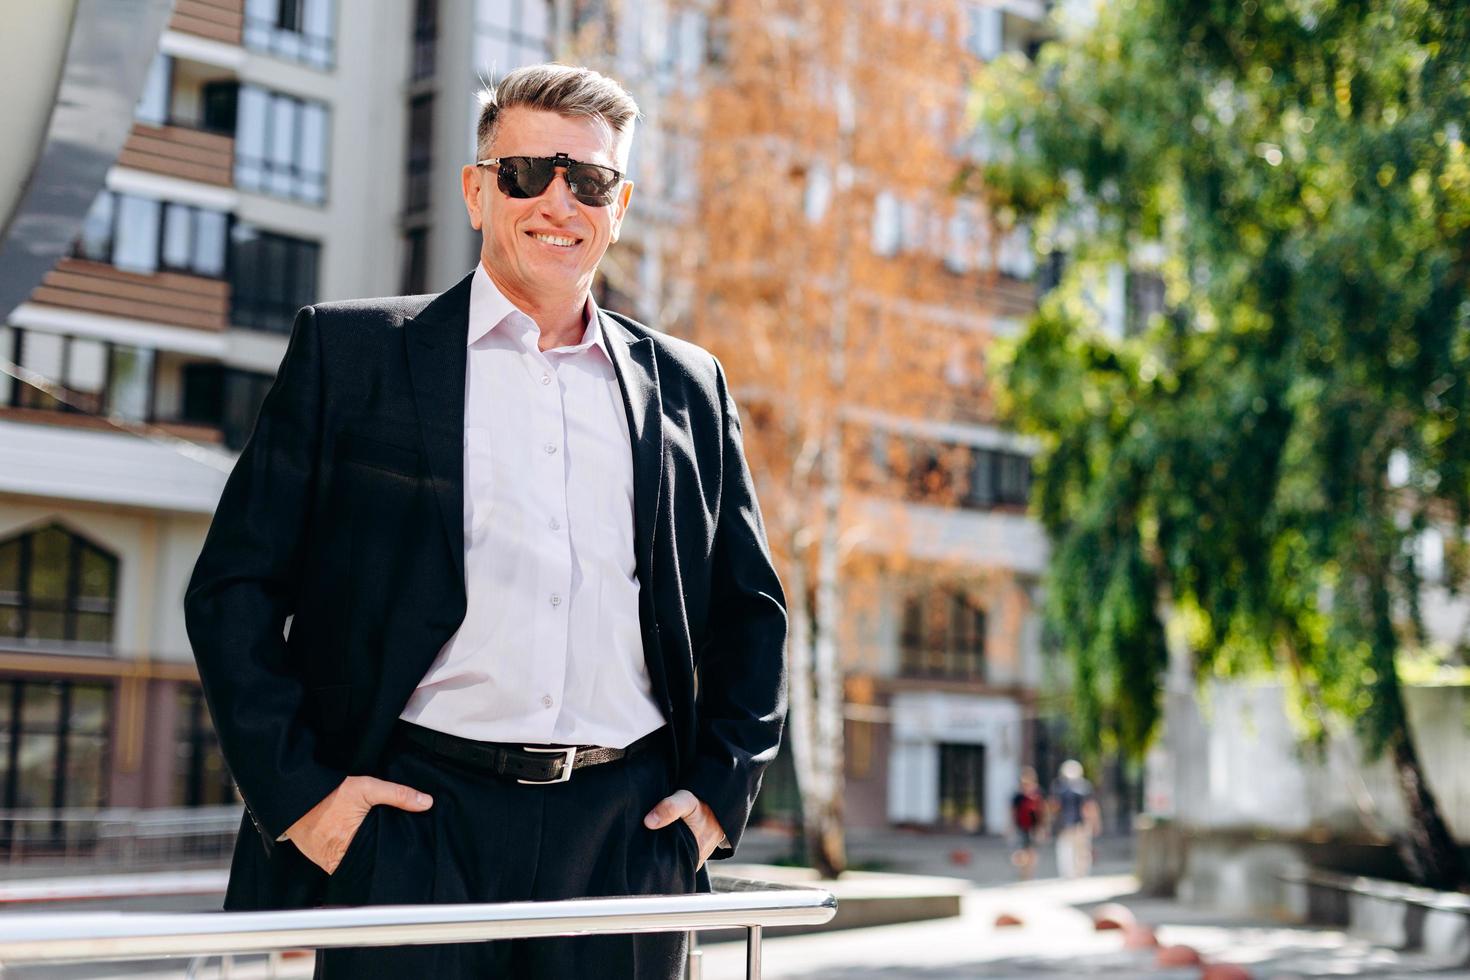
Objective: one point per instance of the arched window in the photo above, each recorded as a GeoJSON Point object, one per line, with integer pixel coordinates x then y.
{"type": "Point", "coordinates": [56, 587]}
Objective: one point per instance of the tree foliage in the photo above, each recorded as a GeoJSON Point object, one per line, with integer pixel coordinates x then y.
{"type": "Point", "coordinates": [1264, 453]}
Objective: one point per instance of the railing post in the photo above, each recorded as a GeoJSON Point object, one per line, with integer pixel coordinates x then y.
{"type": "Point", "coordinates": [753, 953]}
{"type": "Point", "coordinates": [695, 970]}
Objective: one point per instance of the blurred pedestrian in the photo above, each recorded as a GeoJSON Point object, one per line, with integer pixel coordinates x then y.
{"type": "Point", "coordinates": [1077, 819]}
{"type": "Point", "coordinates": [1028, 817]}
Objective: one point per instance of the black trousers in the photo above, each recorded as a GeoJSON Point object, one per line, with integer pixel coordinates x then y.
{"type": "Point", "coordinates": [491, 839]}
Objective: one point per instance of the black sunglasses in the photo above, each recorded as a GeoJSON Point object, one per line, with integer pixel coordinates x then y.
{"type": "Point", "coordinates": [526, 177]}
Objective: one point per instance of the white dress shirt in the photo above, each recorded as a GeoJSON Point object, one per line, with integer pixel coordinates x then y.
{"type": "Point", "coordinates": [550, 650]}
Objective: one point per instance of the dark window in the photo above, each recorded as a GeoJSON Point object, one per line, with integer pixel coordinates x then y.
{"type": "Point", "coordinates": [95, 376]}
{"type": "Point", "coordinates": [425, 37]}
{"type": "Point", "coordinates": [943, 636]}
{"type": "Point", "coordinates": [201, 777]}
{"type": "Point", "coordinates": [221, 102]}
{"type": "Point", "coordinates": [204, 393]}
{"type": "Point", "coordinates": [281, 145]}
{"type": "Point", "coordinates": [56, 587]}
{"type": "Point", "coordinates": [416, 261]}
{"type": "Point", "coordinates": [271, 277]}
{"type": "Point", "coordinates": [140, 234]}
{"type": "Point", "coordinates": [997, 478]}
{"type": "Point", "coordinates": [420, 153]}
{"type": "Point", "coordinates": [53, 743]}
{"type": "Point", "coordinates": [1145, 298]}
{"type": "Point", "coordinates": [244, 391]}
{"type": "Point", "coordinates": [301, 30]}
{"type": "Point", "coordinates": [1049, 275]}
{"type": "Point", "coordinates": [962, 786]}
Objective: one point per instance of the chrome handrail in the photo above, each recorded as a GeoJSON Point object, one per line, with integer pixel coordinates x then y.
{"type": "Point", "coordinates": [72, 937]}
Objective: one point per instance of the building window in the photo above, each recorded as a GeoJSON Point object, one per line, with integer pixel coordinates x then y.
{"type": "Point", "coordinates": [962, 787]}
{"type": "Point", "coordinates": [425, 37]}
{"type": "Point", "coordinates": [887, 224]}
{"type": "Point", "coordinates": [419, 171]}
{"type": "Point", "coordinates": [997, 479]}
{"type": "Point", "coordinates": [301, 30]}
{"type": "Point", "coordinates": [271, 277]}
{"type": "Point", "coordinates": [152, 105]}
{"type": "Point", "coordinates": [510, 34]}
{"type": "Point", "coordinates": [281, 145]}
{"type": "Point", "coordinates": [143, 235]}
{"type": "Point", "coordinates": [53, 744]}
{"type": "Point", "coordinates": [56, 587]}
{"type": "Point", "coordinates": [201, 777]}
{"type": "Point", "coordinates": [135, 238]}
{"type": "Point", "coordinates": [244, 394]}
{"type": "Point", "coordinates": [984, 30]}
{"type": "Point", "coordinates": [943, 636]}
{"type": "Point", "coordinates": [97, 377]}
{"type": "Point", "coordinates": [415, 261]}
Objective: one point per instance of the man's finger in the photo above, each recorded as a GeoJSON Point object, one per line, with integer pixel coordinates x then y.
{"type": "Point", "coordinates": [670, 808]}
{"type": "Point", "coordinates": [375, 791]}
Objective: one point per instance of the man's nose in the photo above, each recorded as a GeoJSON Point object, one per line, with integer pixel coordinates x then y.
{"type": "Point", "coordinates": [558, 199]}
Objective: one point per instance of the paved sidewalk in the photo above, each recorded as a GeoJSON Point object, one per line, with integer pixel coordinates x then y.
{"type": "Point", "coordinates": [1056, 941]}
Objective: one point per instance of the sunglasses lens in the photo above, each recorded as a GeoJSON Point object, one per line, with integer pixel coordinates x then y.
{"type": "Point", "coordinates": [593, 185]}
{"type": "Point", "coordinates": [523, 177]}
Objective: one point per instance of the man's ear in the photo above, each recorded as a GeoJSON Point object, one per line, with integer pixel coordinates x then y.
{"type": "Point", "coordinates": [469, 179]}
{"type": "Point", "coordinates": [625, 196]}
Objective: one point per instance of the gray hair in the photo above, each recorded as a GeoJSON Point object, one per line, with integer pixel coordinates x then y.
{"type": "Point", "coordinates": [562, 89]}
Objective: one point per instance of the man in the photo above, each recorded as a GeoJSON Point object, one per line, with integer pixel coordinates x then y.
{"type": "Point", "coordinates": [452, 607]}
{"type": "Point", "coordinates": [1078, 820]}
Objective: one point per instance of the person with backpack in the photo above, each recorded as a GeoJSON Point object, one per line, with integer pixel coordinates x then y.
{"type": "Point", "coordinates": [1028, 817]}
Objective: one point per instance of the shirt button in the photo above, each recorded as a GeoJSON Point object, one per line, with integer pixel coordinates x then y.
{"type": "Point", "coordinates": [546, 700]}
{"type": "Point", "coordinates": [555, 599]}
{"type": "Point", "coordinates": [549, 447]}
{"type": "Point", "coordinates": [546, 379]}
{"type": "Point", "coordinates": [555, 524]}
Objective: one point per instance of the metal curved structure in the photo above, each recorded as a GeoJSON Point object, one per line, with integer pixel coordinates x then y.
{"type": "Point", "coordinates": [72, 71]}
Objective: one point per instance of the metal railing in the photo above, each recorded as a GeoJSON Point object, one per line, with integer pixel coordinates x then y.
{"type": "Point", "coordinates": [82, 937]}
{"type": "Point", "coordinates": [116, 839]}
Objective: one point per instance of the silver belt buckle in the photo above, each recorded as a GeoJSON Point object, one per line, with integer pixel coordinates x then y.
{"type": "Point", "coordinates": [569, 753]}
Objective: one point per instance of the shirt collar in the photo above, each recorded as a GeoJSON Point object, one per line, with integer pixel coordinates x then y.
{"type": "Point", "coordinates": [489, 308]}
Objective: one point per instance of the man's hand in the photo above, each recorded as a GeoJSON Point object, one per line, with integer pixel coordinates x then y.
{"type": "Point", "coordinates": [324, 831]}
{"type": "Point", "coordinates": [684, 805]}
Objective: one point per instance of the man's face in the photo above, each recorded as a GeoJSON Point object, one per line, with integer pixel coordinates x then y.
{"type": "Point", "coordinates": [544, 248]}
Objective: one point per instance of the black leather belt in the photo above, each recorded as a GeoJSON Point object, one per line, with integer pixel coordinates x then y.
{"type": "Point", "coordinates": [534, 765]}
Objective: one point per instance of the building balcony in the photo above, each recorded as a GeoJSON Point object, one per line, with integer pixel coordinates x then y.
{"type": "Point", "coordinates": [178, 151]}
{"type": "Point", "coordinates": [172, 298]}
{"type": "Point", "coordinates": [80, 462]}
{"type": "Point", "coordinates": [215, 20]}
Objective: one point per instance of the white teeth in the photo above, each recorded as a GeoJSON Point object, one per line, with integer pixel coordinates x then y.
{"type": "Point", "coordinates": [554, 240]}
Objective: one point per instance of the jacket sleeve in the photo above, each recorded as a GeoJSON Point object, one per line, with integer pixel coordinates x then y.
{"type": "Point", "coordinates": [741, 702]}
{"type": "Point", "coordinates": [245, 586]}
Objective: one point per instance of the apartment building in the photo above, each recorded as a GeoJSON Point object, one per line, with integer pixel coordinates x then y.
{"type": "Point", "coordinates": [255, 179]}
{"type": "Point", "coordinates": [289, 151]}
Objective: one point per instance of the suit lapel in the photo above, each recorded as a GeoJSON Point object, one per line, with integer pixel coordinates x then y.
{"type": "Point", "coordinates": [437, 356]}
{"type": "Point", "coordinates": [637, 372]}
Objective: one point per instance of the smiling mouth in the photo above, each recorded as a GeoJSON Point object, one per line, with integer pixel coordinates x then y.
{"type": "Point", "coordinates": [561, 241]}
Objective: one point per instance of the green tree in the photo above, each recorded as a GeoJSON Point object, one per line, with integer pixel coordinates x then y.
{"type": "Point", "coordinates": [1261, 455]}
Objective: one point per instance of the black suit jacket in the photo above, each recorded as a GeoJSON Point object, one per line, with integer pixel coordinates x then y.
{"type": "Point", "coordinates": [343, 515]}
